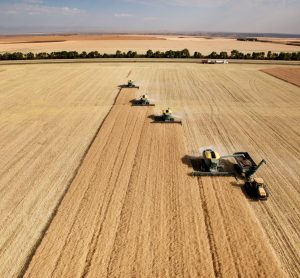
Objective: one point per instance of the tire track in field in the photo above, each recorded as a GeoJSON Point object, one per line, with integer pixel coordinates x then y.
{"type": "Point", "coordinates": [209, 230]}
{"type": "Point", "coordinates": [159, 231]}
{"type": "Point", "coordinates": [125, 116]}
{"type": "Point", "coordinates": [109, 233]}
{"type": "Point", "coordinates": [132, 210]}
{"type": "Point", "coordinates": [95, 239]}
{"type": "Point", "coordinates": [239, 244]}
{"type": "Point", "coordinates": [89, 168]}
{"type": "Point", "coordinates": [44, 231]}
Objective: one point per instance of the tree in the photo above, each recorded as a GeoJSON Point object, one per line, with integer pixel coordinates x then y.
{"type": "Point", "coordinates": [157, 54]}
{"type": "Point", "coordinates": [42, 55]}
{"type": "Point", "coordinates": [118, 54]}
{"type": "Point", "coordinates": [94, 54]}
{"type": "Point", "coordinates": [254, 55]}
{"type": "Point", "coordinates": [247, 56]}
{"type": "Point", "coordinates": [83, 54]}
{"type": "Point", "coordinates": [177, 54]}
{"type": "Point", "coordinates": [29, 56]}
{"type": "Point", "coordinates": [261, 55]}
{"type": "Point", "coordinates": [234, 54]}
{"type": "Point", "coordinates": [295, 56]}
{"type": "Point", "coordinates": [129, 53]}
{"type": "Point", "coordinates": [275, 56]}
{"type": "Point", "coordinates": [213, 55]}
{"type": "Point", "coordinates": [185, 53]}
{"type": "Point", "coordinates": [223, 55]}
{"type": "Point", "coordinates": [197, 55]}
{"type": "Point", "coordinates": [14, 56]}
{"type": "Point", "coordinates": [169, 54]}
{"type": "Point", "coordinates": [75, 54]}
{"type": "Point", "coordinates": [149, 53]}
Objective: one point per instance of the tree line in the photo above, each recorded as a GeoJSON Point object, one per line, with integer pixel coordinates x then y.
{"type": "Point", "coordinates": [234, 54]}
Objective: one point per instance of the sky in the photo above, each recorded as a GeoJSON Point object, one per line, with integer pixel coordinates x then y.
{"type": "Point", "coordinates": [45, 16]}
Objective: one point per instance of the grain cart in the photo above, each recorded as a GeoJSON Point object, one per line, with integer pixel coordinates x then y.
{"type": "Point", "coordinates": [255, 187]}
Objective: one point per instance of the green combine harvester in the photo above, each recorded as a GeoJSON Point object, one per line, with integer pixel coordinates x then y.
{"type": "Point", "coordinates": [142, 101]}
{"type": "Point", "coordinates": [246, 167]}
{"type": "Point", "coordinates": [210, 164]}
{"type": "Point", "coordinates": [131, 84]}
{"type": "Point", "coordinates": [167, 117]}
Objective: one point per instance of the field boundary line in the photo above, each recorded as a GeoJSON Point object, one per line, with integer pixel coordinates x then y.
{"type": "Point", "coordinates": [55, 210]}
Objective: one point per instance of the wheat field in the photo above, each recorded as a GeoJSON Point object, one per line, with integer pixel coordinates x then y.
{"type": "Point", "coordinates": [87, 195]}
{"type": "Point", "coordinates": [110, 44]}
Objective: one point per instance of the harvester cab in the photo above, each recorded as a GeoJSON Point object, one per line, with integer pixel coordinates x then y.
{"type": "Point", "coordinates": [167, 114]}
{"type": "Point", "coordinates": [211, 160]}
{"type": "Point", "coordinates": [167, 117]}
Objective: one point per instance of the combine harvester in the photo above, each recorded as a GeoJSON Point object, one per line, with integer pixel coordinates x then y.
{"type": "Point", "coordinates": [255, 187]}
{"type": "Point", "coordinates": [210, 164]}
{"type": "Point", "coordinates": [142, 101]}
{"type": "Point", "coordinates": [246, 167]}
{"type": "Point", "coordinates": [130, 84]}
{"type": "Point", "coordinates": [167, 117]}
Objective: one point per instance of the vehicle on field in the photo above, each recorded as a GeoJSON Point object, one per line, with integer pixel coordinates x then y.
{"type": "Point", "coordinates": [142, 101]}
{"type": "Point", "coordinates": [167, 117]}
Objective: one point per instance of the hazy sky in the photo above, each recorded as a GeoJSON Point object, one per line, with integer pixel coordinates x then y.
{"type": "Point", "coordinates": [277, 16]}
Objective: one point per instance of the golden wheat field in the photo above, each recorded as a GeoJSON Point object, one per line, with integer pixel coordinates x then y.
{"type": "Point", "coordinates": [110, 44]}
{"type": "Point", "coordinates": [90, 187]}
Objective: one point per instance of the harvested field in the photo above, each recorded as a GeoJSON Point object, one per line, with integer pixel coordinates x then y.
{"type": "Point", "coordinates": [291, 75]}
{"type": "Point", "coordinates": [133, 209]}
{"type": "Point", "coordinates": [56, 38]}
{"type": "Point", "coordinates": [121, 218]}
{"type": "Point", "coordinates": [290, 41]}
{"type": "Point", "coordinates": [48, 117]}
{"type": "Point", "coordinates": [110, 44]}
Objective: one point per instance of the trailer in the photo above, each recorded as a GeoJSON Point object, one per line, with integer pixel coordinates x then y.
{"type": "Point", "coordinates": [255, 187]}
{"type": "Point", "coordinates": [244, 162]}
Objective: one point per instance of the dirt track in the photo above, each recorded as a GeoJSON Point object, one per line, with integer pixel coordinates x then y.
{"type": "Point", "coordinates": [133, 210]}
